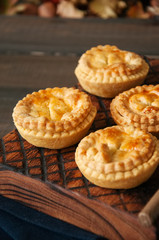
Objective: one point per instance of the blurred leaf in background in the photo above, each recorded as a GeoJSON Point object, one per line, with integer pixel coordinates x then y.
{"type": "Point", "coordinates": [4, 5]}
{"type": "Point", "coordinates": [82, 8]}
{"type": "Point", "coordinates": [43, 8]}
{"type": "Point", "coordinates": [12, 7]}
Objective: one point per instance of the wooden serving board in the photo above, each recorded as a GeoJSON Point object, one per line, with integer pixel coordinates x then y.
{"type": "Point", "coordinates": [49, 181]}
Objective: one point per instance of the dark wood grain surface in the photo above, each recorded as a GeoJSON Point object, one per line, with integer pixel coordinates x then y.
{"type": "Point", "coordinates": [69, 36]}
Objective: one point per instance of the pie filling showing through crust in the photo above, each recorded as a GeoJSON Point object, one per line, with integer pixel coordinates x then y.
{"type": "Point", "coordinates": [54, 117]}
{"type": "Point", "coordinates": [106, 70]}
{"type": "Point", "coordinates": [138, 107]}
{"type": "Point", "coordinates": [118, 157]}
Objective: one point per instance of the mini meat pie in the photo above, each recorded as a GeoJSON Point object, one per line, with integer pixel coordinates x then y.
{"type": "Point", "coordinates": [138, 107]}
{"type": "Point", "coordinates": [106, 71]}
{"type": "Point", "coordinates": [118, 157]}
{"type": "Point", "coordinates": [55, 117]}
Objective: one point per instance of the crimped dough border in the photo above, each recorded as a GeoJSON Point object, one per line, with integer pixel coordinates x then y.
{"type": "Point", "coordinates": [87, 74]}
{"type": "Point", "coordinates": [41, 124]}
{"type": "Point", "coordinates": [58, 140]}
{"type": "Point", "coordinates": [115, 72]}
{"type": "Point", "coordinates": [44, 134]}
{"type": "Point", "coordinates": [123, 115]}
{"type": "Point", "coordinates": [117, 174]}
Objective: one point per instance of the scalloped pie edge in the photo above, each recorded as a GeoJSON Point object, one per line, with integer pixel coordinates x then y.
{"type": "Point", "coordinates": [113, 79]}
{"type": "Point", "coordinates": [42, 132]}
{"type": "Point", "coordinates": [116, 175]}
{"type": "Point", "coordinates": [123, 115]}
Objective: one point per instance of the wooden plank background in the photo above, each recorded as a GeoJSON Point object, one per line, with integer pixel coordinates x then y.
{"type": "Point", "coordinates": [25, 34]}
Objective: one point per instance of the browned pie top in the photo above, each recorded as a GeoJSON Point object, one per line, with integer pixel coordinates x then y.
{"type": "Point", "coordinates": [146, 101]}
{"type": "Point", "coordinates": [52, 109]}
{"type": "Point", "coordinates": [115, 149]}
{"type": "Point", "coordinates": [112, 64]}
{"type": "Point", "coordinates": [138, 106]}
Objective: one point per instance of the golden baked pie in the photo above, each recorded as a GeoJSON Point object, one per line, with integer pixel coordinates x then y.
{"type": "Point", "coordinates": [138, 107]}
{"type": "Point", "coordinates": [118, 157]}
{"type": "Point", "coordinates": [55, 117]}
{"type": "Point", "coordinates": [106, 70]}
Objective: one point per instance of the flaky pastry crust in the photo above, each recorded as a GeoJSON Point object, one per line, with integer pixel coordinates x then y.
{"type": "Point", "coordinates": [54, 117]}
{"type": "Point", "coordinates": [138, 107]}
{"type": "Point", "coordinates": [106, 71]}
{"type": "Point", "coordinates": [118, 157]}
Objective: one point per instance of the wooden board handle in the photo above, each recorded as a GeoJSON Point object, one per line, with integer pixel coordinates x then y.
{"type": "Point", "coordinates": [150, 212]}
{"type": "Point", "coordinates": [73, 208]}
